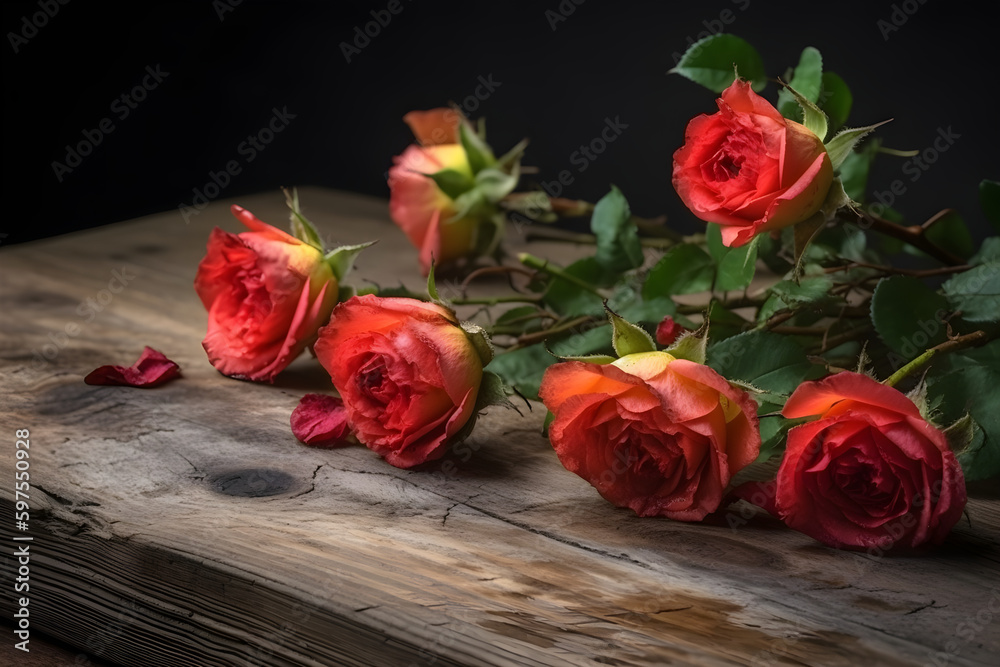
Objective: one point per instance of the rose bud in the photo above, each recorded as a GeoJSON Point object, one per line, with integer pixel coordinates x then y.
{"type": "Point", "coordinates": [749, 169]}
{"type": "Point", "coordinates": [659, 435]}
{"type": "Point", "coordinates": [409, 375]}
{"type": "Point", "coordinates": [267, 294]}
{"type": "Point", "coordinates": [871, 472]}
{"type": "Point", "coordinates": [668, 331]}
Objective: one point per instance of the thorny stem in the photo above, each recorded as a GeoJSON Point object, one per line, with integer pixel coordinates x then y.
{"type": "Point", "coordinates": [914, 235]}
{"type": "Point", "coordinates": [957, 343]}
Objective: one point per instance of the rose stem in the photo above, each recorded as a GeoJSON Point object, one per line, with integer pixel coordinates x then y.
{"type": "Point", "coordinates": [538, 336]}
{"type": "Point", "coordinates": [925, 273]}
{"type": "Point", "coordinates": [542, 265]}
{"type": "Point", "coordinates": [968, 340]}
{"type": "Point", "coordinates": [914, 235]}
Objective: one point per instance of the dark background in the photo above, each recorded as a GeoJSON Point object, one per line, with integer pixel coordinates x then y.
{"type": "Point", "coordinates": [229, 69]}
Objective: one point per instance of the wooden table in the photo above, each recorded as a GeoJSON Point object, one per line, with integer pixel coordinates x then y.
{"type": "Point", "coordinates": [185, 525]}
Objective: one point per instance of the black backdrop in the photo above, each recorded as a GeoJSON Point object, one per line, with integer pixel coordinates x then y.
{"type": "Point", "coordinates": [211, 74]}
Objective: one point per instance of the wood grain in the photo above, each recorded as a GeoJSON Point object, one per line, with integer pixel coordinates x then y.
{"type": "Point", "coordinates": [186, 526]}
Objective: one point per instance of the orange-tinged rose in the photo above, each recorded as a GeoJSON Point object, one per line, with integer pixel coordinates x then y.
{"type": "Point", "coordinates": [267, 294]}
{"type": "Point", "coordinates": [660, 435]}
{"type": "Point", "coordinates": [407, 372]}
{"type": "Point", "coordinates": [425, 213]}
{"type": "Point", "coordinates": [749, 169]}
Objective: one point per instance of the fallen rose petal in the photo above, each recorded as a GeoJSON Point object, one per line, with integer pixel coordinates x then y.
{"type": "Point", "coordinates": [321, 421]}
{"type": "Point", "coordinates": [151, 370]}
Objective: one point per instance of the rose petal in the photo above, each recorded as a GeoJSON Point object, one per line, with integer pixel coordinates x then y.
{"type": "Point", "coordinates": [668, 331]}
{"type": "Point", "coordinates": [151, 370]}
{"type": "Point", "coordinates": [321, 421]}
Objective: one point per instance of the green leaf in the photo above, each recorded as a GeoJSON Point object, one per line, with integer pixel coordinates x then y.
{"type": "Point", "coordinates": [855, 168]}
{"type": "Point", "coordinates": [628, 338]}
{"type": "Point", "coordinates": [766, 360]}
{"type": "Point", "coordinates": [952, 234]}
{"type": "Point", "coordinates": [684, 269]}
{"type": "Point", "coordinates": [989, 197]}
{"type": "Point", "coordinates": [734, 266]}
{"type": "Point", "coordinates": [835, 99]}
{"type": "Point", "coordinates": [844, 142]}
{"type": "Point", "coordinates": [976, 292]}
{"type": "Point", "coordinates": [908, 315]}
{"type": "Point", "coordinates": [567, 298]}
{"type": "Point", "coordinates": [478, 152]}
{"type": "Point", "coordinates": [523, 369]}
{"type": "Point", "coordinates": [592, 341]}
{"type": "Point", "coordinates": [725, 323]}
{"type": "Point", "coordinates": [710, 62]}
{"type": "Point", "coordinates": [814, 119]}
{"type": "Point", "coordinates": [642, 310]}
{"type": "Point", "coordinates": [618, 247]}
{"type": "Point", "coordinates": [773, 433]}
{"type": "Point", "coordinates": [807, 79]}
{"type": "Point", "coordinates": [452, 182]}
{"type": "Point", "coordinates": [968, 381]}
{"type": "Point", "coordinates": [788, 294]}
{"type": "Point", "coordinates": [341, 260]}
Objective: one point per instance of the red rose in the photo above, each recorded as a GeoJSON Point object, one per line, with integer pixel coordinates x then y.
{"type": "Point", "coordinates": [267, 294]}
{"type": "Point", "coordinates": [660, 435]}
{"type": "Point", "coordinates": [407, 372]}
{"type": "Point", "coordinates": [749, 169]}
{"type": "Point", "coordinates": [870, 472]}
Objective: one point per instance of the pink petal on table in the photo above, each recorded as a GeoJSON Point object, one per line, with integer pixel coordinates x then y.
{"type": "Point", "coordinates": [321, 421]}
{"type": "Point", "coordinates": [151, 370]}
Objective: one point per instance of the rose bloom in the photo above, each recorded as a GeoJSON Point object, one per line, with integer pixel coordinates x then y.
{"type": "Point", "coordinates": [870, 472]}
{"type": "Point", "coordinates": [660, 435]}
{"type": "Point", "coordinates": [408, 374]}
{"type": "Point", "coordinates": [416, 204]}
{"type": "Point", "coordinates": [267, 294]}
{"type": "Point", "coordinates": [749, 169]}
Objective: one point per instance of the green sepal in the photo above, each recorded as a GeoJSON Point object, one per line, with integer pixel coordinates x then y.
{"type": "Point", "coordinates": [432, 291]}
{"type": "Point", "coordinates": [496, 184]}
{"type": "Point", "coordinates": [302, 229]}
{"type": "Point", "coordinates": [452, 182]}
{"type": "Point", "coordinates": [691, 345]}
{"type": "Point", "coordinates": [813, 117]}
{"type": "Point", "coordinates": [345, 292]}
{"type": "Point", "coordinates": [599, 359]}
{"type": "Point", "coordinates": [512, 157]}
{"type": "Point", "coordinates": [480, 340]}
{"type": "Point", "coordinates": [628, 338]}
{"type": "Point", "coordinates": [478, 152]}
{"type": "Point", "coordinates": [841, 145]}
{"type": "Point", "coordinates": [341, 260]}
{"type": "Point", "coordinates": [492, 391]}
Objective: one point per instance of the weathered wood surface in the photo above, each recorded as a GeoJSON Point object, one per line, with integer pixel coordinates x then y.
{"type": "Point", "coordinates": [186, 526]}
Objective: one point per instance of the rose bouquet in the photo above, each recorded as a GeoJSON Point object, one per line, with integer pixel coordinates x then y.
{"type": "Point", "coordinates": [781, 358]}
